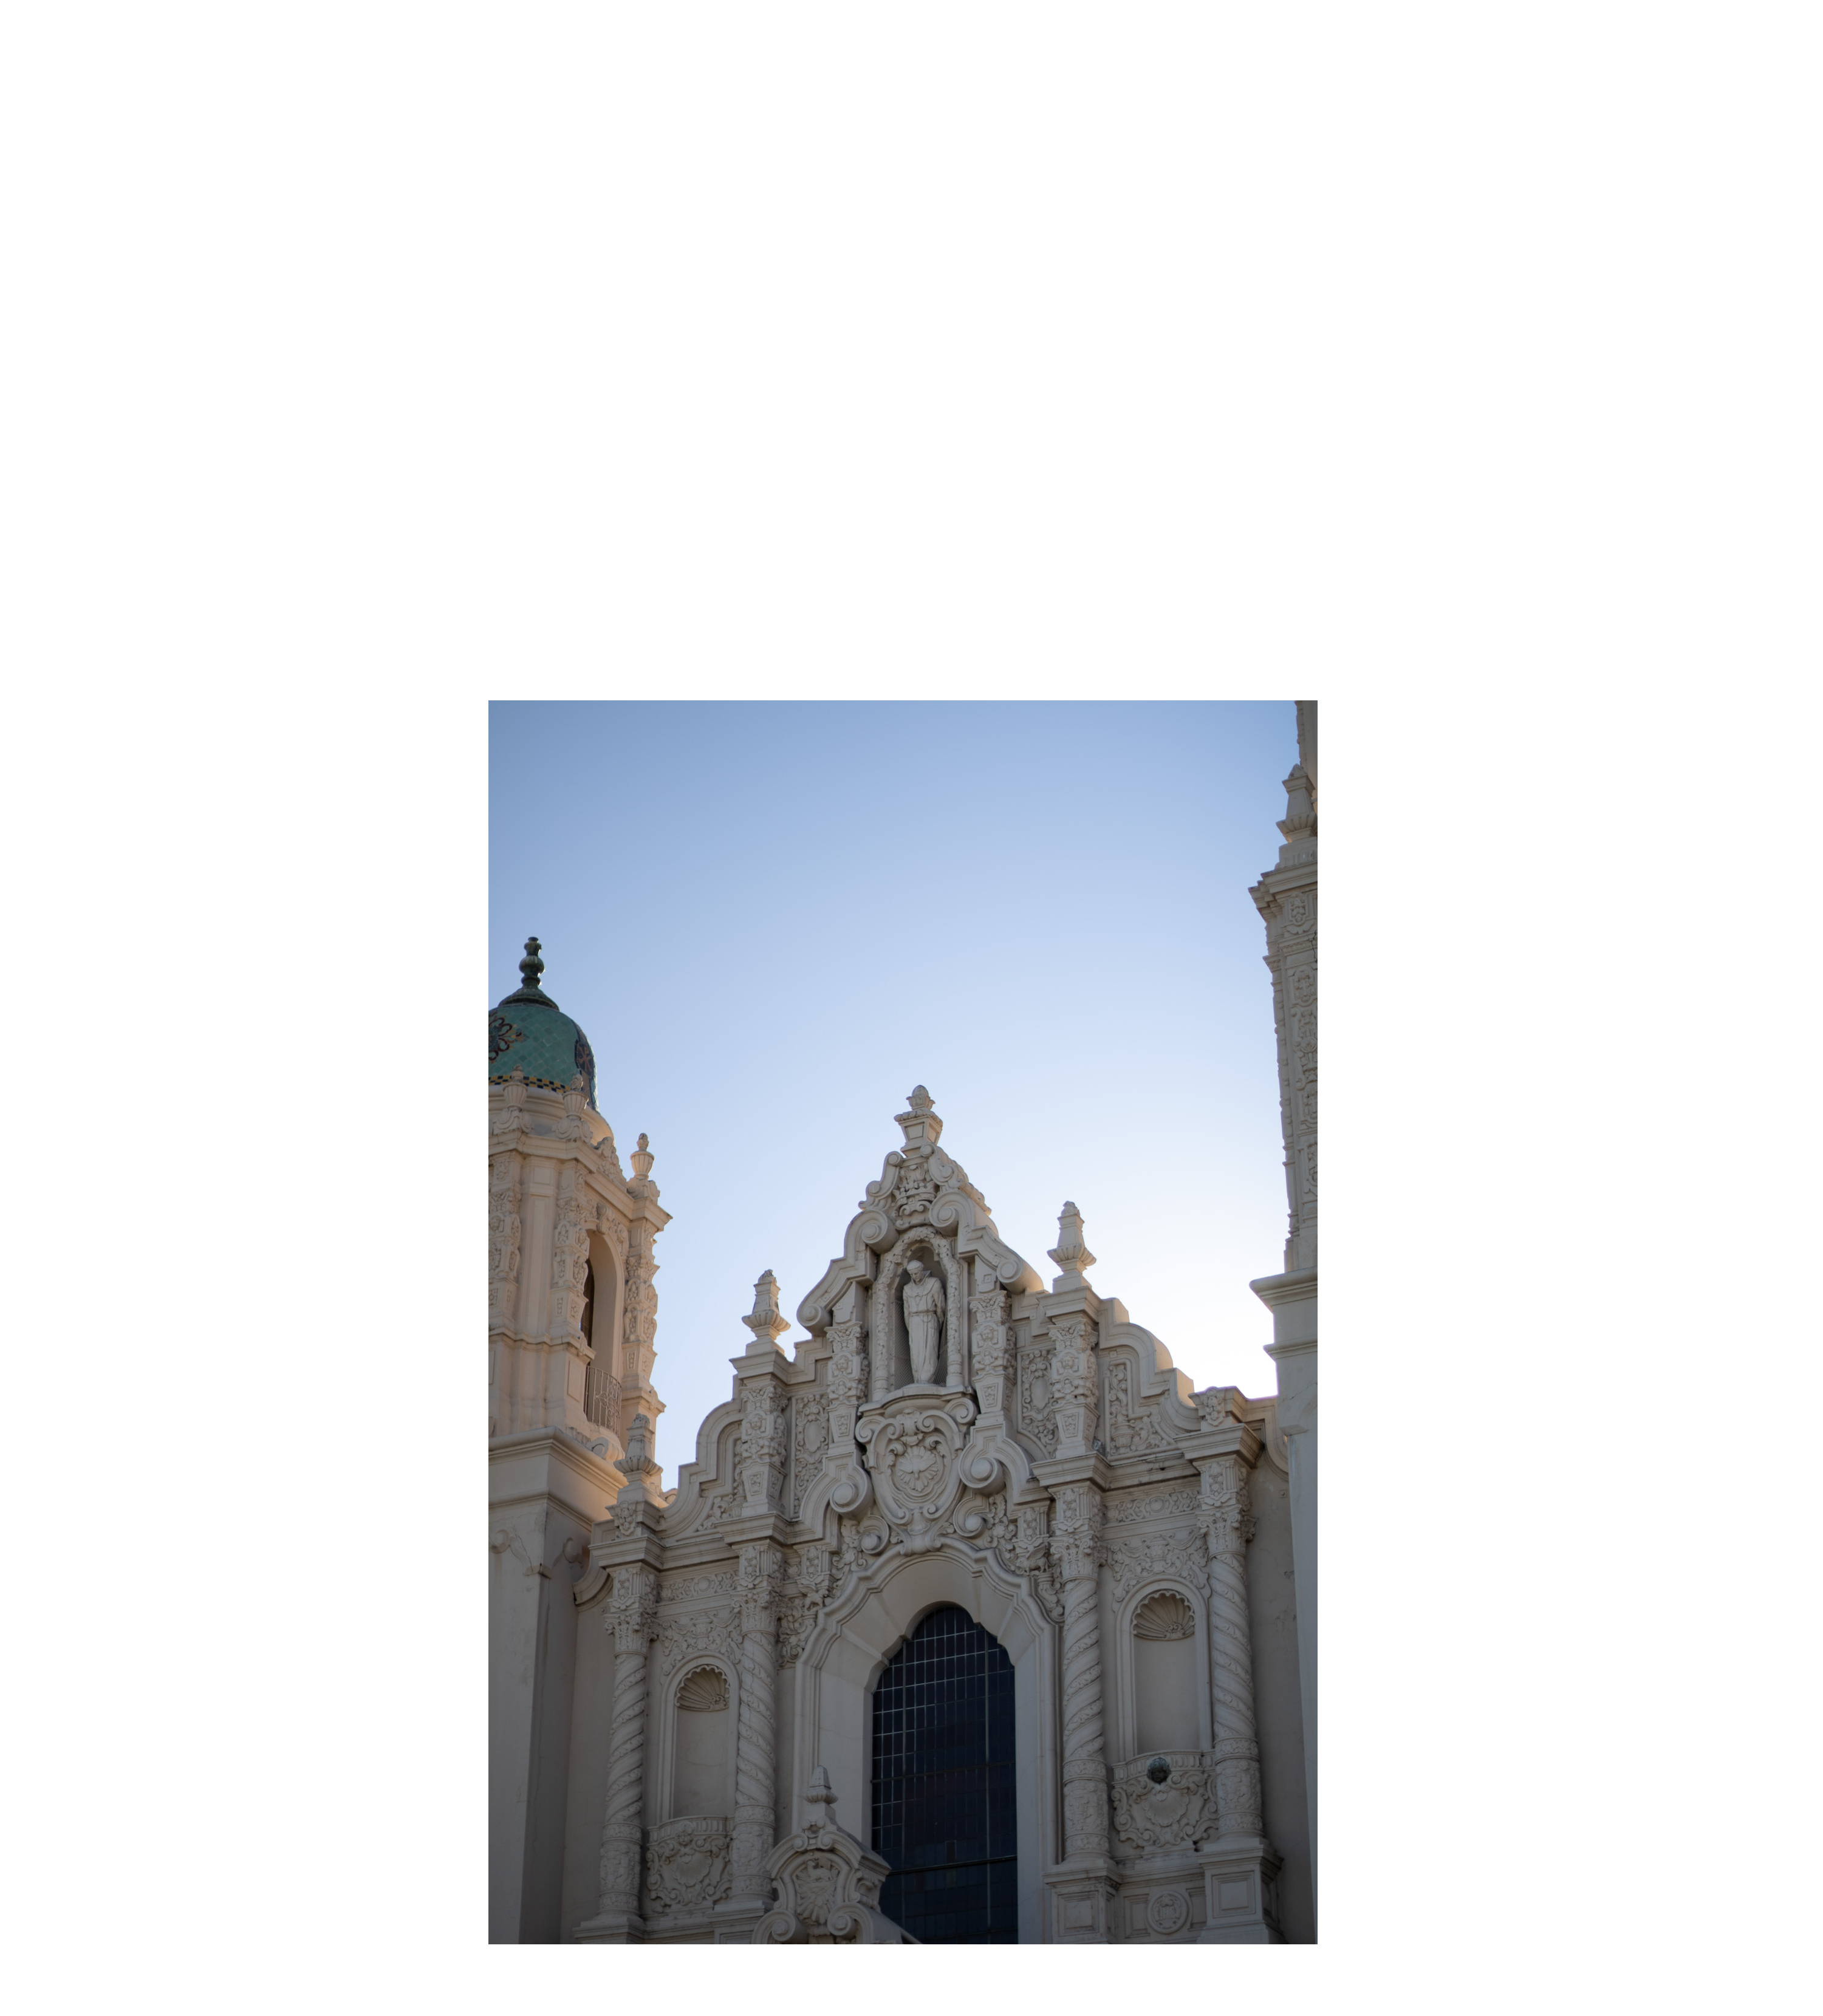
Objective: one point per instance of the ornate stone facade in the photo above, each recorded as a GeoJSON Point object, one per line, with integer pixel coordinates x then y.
{"type": "Point", "coordinates": [1085, 1512]}
{"type": "Point", "coordinates": [954, 1431]}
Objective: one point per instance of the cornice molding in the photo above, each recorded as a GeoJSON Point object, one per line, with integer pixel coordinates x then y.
{"type": "Point", "coordinates": [1236, 1438]}
{"type": "Point", "coordinates": [592, 1471]}
{"type": "Point", "coordinates": [1276, 1290]}
{"type": "Point", "coordinates": [1054, 1472]}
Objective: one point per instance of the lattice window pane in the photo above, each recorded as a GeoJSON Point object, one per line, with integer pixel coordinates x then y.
{"type": "Point", "coordinates": [943, 1785]}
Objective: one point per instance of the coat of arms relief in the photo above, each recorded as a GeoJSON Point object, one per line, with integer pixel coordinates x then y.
{"type": "Point", "coordinates": [912, 1449]}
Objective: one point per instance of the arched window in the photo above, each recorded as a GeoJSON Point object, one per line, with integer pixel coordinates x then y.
{"type": "Point", "coordinates": [601, 1392]}
{"type": "Point", "coordinates": [943, 1785]}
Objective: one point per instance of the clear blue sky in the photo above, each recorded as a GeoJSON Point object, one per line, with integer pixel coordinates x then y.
{"type": "Point", "coordinates": [773, 918]}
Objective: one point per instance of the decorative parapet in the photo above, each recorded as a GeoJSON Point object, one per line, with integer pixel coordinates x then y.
{"type": "Point", "coordinates": [829, 1885]}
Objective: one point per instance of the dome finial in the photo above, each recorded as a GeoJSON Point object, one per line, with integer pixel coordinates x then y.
{"type": "Point", "coordinates": [532, 966]}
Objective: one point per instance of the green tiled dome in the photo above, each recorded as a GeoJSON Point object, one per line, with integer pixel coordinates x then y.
{"type": "Point", "coordinates": [528, 1030]}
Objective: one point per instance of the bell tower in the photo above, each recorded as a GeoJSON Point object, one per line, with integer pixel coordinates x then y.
{"type": "Point", "coordinates": [1286, 896]}
{"type": "Point", "coordinates": [571, 1315]}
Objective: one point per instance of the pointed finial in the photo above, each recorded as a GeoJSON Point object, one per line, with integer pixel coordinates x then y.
{"type": "Point", "coordinates": [1069, 1252]}
{"type": "Point", "coordinates": [532, 966]}
{"type": "Point", "coordinates": [820, 1791]}
{"type": "Point", "coordinates": [642, 1160]}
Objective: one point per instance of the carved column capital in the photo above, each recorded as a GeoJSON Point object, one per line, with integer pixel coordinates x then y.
{"type": "Point", "coordinates": [1225, 1508]}
{"type": "Point", "coordinates": [759, 1581]}
{"type": "Point", "coordinates": [632, 1608]}
{"type": "Point", "coordinates": [1076, 1531]}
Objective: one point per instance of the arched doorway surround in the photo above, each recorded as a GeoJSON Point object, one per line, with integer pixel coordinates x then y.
{"type": "Point", "coordinates": [848, 1649]}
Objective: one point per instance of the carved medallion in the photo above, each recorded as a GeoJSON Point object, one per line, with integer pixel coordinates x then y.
{"type": "Point", "coordinates": [1168, 1913]}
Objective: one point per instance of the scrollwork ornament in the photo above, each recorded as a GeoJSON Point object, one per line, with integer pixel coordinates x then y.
{"type": "Point", "coordinates": [686, 1865]}
{"type": "Point", "coordinates": [1161, 1557]}
{"type": "Point", "coordinates": [696, 1634]}
{"type": "Point", "coordinates": [795, 1621]}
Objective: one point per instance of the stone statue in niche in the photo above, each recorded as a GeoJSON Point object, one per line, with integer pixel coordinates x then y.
{"type": "Point", "coordinates": [923, 1321]}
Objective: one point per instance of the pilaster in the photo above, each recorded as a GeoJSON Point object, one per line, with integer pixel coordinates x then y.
{"type": "Point", "coordinates": [1241, 1904]}
{"type": "Point", "coordinates": [1292, 1299]}
{"type": "Point", "coordinates": [1286, 896]}
{"type": "Point", "coordinates": [545, 1491]}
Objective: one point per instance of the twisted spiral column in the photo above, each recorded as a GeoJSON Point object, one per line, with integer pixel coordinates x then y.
{"type": "Point", "coordinates": [620, 1827]}
{"type": "Point", "coordinates": [1228, 1522]}
{"type": "Point", "coordinates": [755, 1768]}
{"type": "Point", "coordinates": [1085, 1766]}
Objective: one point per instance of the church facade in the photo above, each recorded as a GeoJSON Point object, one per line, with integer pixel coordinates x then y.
{"type": "Point", "coordinates": [970, 1621]}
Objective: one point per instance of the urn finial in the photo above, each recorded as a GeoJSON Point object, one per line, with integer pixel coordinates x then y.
{"type": "Point", "coordinates": [637, 1463]}
{"type": "Point", "coordinates": [642, 1159]}
{"type": "Point", "coordinates": [1299, 823]}
{"type": "Point", "coordinates": [1069, 1252]}
{"type": "Point", "coordinates": [919, 1121]}
{"type": "Point", "coordinates": [766, 1323]}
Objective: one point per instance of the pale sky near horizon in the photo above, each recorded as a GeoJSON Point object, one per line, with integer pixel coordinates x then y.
{"type": "Point", "coordinates": [772, 919]}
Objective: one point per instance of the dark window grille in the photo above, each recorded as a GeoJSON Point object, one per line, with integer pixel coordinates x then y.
{"type": "Point", "coordinates": [943, 1780]}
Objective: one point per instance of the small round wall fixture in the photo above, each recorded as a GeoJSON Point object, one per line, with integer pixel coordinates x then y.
{"type": "Point", "coordinates": [1158, 1770]}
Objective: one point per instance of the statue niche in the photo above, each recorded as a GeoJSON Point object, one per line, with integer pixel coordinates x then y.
{"type": "Point", "coordinates": [913, 1316]}
{"type": "Point", "coordinates": [922, 1299]}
